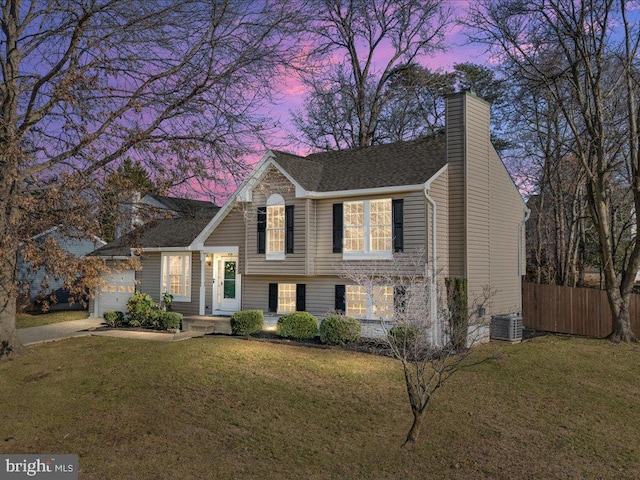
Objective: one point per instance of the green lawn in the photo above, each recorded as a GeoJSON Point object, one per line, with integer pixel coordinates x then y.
{"type": "Point", "coordinates": [228, 408]}
{"type": "Point", "coordinates": [26, 320]}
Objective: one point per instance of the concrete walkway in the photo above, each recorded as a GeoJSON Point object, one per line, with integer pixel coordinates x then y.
{"type": "Point", "coordinates": [88, 326]}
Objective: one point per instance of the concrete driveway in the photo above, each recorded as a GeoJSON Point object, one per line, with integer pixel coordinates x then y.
{"type": "Point", "coordinates": [87, 326]}
{"type": "Point", "coordinates": [58, 331]}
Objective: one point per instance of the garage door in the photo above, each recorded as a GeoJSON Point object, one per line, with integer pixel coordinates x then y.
{"type": "Point", "coordinates": [115, 292]}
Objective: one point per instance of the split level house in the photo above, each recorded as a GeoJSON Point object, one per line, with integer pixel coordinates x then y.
{"type": "Point", "coordinates": [282, 240]}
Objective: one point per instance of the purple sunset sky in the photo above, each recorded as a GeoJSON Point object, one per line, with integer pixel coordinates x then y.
{"type": "Point", "coordinates": [291, 94]}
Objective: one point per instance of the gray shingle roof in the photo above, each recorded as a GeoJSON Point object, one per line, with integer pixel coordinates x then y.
{"type": "Point", "coordinates": [394, 164]}
{"type": "Point", "coordinates": [164, 232]}
{"type": "Point", "coordinates": [187, 206]}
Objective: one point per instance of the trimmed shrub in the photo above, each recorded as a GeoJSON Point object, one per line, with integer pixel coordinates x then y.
{"type": "Point", "coordinates": [114, 319]}
{"type": "Point", "coordinates": [339, 330]}
{"type": "Point", "coordinates": [403, 335]}
{"type": "Point", "coordinates": [169, 320]}
{"type": "Point", "coordinates": [297, 325]}
{"type": "Point", "coordinates": [247, 322]}
{"type": "Point", "coordinates": [141, 310]}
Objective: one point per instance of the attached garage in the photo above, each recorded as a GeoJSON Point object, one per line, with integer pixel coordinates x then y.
{"type": "Point", "coordinates": [114, 293]}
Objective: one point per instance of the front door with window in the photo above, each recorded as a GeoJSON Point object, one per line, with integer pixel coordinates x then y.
{"type": "Point", "coordinates": [226, 292]}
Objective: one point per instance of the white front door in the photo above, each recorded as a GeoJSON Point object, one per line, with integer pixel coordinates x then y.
{"type": "Point", "coordinates": [226, 281]}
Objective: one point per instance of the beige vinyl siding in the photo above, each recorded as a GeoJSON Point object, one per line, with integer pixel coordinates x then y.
{"type": "Point", "coordinates": [456, 151]}
{"type": "Point", "coordinates": [507, 211]}
{"type": "Point", "coordinates": [439, 193]}
{"type": "Point", "coordinates": [149, 276]}
{"type": "Point", "coordinates": [294, 263]}
{"type": "Point", "coordinates": [478, 146]}
{"type": "Point", "coordinates": [415, 233]}
{"type": "Point", "coordinates": [150, 281]}
{"type": "Point", "coordinates": [484, 207]}
{"type": "Point", "coordinates": [230, 233]}
{"type": "Point", "coordinates": [320, 292]}
{"type": "Point", "coordinates": [310, 237]}
{"type": "Point", "coordinates": [208, 288]}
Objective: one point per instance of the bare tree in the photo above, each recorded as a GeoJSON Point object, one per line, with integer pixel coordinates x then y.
{"type": "Point", "coordinates": [173, 84]}
{"type": "Point", "coordinates": [585, 56]}
{"type": "Point", "coordinates": [420, 329]}
{"type": "Point", "coordinates": [349, 85]}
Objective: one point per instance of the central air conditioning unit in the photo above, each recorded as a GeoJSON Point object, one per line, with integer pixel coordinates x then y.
{"type": "Point", "coordinates": [506, 327]}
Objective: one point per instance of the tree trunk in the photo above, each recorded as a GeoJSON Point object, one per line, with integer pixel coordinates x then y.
{"type": "Point", "coordinates": [621, 331]}
{"type": "Point", "coordinates": [414, 431]}
{"type": "Point", "coordinates": [8, 332]}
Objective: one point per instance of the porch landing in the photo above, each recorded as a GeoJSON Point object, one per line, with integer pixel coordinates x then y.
{"type": "Point", "coordinates": [206, 324]}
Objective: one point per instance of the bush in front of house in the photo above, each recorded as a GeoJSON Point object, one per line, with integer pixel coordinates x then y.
{"type": "Point", "coordinates": [339, 330]}
{"type": "Point", "coordinates": [169, 320]}
{"type": "Point", "coordinates": [142, 310]}
{"type": "Point", "coordinates": [246, 322]}
{"type": "Point", "coordinates": [298, 325]}
{"type": "Point", "coordinates": [114, 319]}
{"type": "Point", "coordinates": [403, 335]}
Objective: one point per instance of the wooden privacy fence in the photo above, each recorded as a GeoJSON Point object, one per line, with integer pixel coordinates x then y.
{"type": "Point", "coordinates": [577, 311]}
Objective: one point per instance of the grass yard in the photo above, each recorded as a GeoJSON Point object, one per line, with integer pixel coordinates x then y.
{"type": "Point", "coordinates": [551, 407]}
{"type": "Point", "coordinates": [26, 320]}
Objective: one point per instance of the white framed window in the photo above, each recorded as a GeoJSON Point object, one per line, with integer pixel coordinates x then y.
{"type": "Point", "coordinates": [359, 304]}
{"type": "Point", "coordinates": [176, 276]}
{"type": "Point", "coordinates": [356, 301]}
{"type": "Point", "coordinates": [286, 297]}
{"type": "Point", "coordinates": [275, 227]}
{"type": "Point", "coordinates": [368, 229]}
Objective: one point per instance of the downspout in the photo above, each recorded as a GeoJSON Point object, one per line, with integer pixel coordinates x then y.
{"type": "Point", "coordinates": [436, 333]}
{"type": "Point", "coordinates": [527, 213]}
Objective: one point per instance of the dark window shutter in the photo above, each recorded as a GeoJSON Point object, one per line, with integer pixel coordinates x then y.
{"type": "Point", "coordinates": [337, 227]}
{"type": "Point", "coordinates": [288, 218]}
{"type": "Point", "coordinates": [341, 292]}
{"type": "Point", "coordinates": [262, 229]}
{"type": "Point", "coordinates": [301, 300]}
{"type": "Point", "coordinates": [399, 299]}
{"type": "Point", "coordinates": [273, 297]}
{"type": "Point", "coordinates": [398, 221]}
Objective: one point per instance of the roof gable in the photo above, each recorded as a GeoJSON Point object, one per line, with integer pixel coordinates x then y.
{"type": "Point", "coordinates": [389, 165]}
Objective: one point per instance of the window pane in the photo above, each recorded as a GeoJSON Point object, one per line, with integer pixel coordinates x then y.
{"type": "Point", "coordinates": [275, 228]}
{"type": "Point", "coordinates": [354, 239]}
{"type": "Point", "coordinates": [380, 225]}
{"type": "Point", "coordinates": [354, 213]}
{"type": "Point", "coordinates": [354, 226]}
{"type": "Point", "coordinates": [380, 238]}
{"type": "Point", "coordinates": [383, 302]}
{"type": "Point", "coordinates": [356, 301]}
{"type": "Point", "coordinates": [275, 216]}
{"type": "Point", "coordinates": [176, 275]}
{"type": "Point", "coordinates": [175, 282]}
{"type": "Point", "coordinates": [380, 212]}
{"type": "Point", "coordinates": [175, 265]}
{"type": "Point", "coordinates": [286, 297]}
{"type": "Point", "coordinates": [230, 279]}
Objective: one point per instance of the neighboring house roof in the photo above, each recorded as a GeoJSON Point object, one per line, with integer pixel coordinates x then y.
{"type": "Point", "coordinates": [186, 206]}
{"type": "Point", "coordinates": [75, 234]}
{"type": "Point", "coordinates": [395, 164]}
{"type": "Point", "coordinates": [163, 232]}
